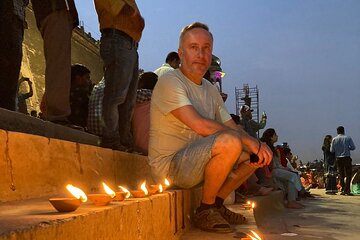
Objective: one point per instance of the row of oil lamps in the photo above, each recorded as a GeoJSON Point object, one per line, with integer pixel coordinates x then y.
{"type": "Point", "coordinates": [99, 199]}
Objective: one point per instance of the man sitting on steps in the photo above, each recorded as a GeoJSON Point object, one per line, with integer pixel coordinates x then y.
{"type": "Point", "coordinates": [193, 138]}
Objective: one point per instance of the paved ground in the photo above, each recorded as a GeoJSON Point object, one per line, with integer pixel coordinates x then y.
{"type": "Point", "coordinates": [325, 217]}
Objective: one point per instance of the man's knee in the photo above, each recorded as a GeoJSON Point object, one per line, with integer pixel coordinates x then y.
{"type": "Point", "coordinates": [228, 142]}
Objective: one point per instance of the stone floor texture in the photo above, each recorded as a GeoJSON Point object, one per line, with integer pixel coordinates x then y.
{"type": "Point", "coordinates": [328, 217]}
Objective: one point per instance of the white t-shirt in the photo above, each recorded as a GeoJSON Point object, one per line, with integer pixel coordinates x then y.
{"type": "Point", "coordinates": [163, 69]}
{"type": "Point", "coordinates": [168, 134]}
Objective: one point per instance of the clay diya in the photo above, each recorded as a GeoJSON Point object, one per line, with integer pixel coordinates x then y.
{"type": "Point", "coordinates": [100, 199]}
{"type": "Point", "coordinates": [137, 193]}
{"type": "Point", "coordinates": [153, 189]}
{"type": "Point", "coordinates": [124, 191]}
{"type": "Point", "coordinates": [156, 189]}
{"type": "Point", "coordinates": [140, 193]}
{"type": "Point", "coordinates": [120, 196]}
{"type": "Point", "coordinates": [247, 206]}
{"type": "Point", "coordinates": [65, 204]}
{"type": "Point", "coordinates": [69, 204]}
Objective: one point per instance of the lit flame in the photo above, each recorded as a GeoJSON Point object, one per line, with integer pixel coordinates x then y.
{"type": "Point", "coordinates": [253, 205]}
{"type": "Point", "coordinates": [160, 188]}
{"type": "Point", "coordinates": [77, 192]}
{"type": "Point", "coordinates": [108, 190]}
{"type": "Point", "coordinates": [167, 183]}
{"type": "Point", "coordinates": [248, 202]}
{"type": "Point", "coordinates": [143, 187]}
{"type": "Point", "coordinates": [256, 235]}
{"type": "Point", "coordinates": [252, 238]}
{"type": "Point", "coordinates": [125, 191]}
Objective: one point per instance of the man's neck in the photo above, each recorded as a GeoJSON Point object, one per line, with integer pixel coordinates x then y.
{"type": "Point", "coordinates": [192, 77]}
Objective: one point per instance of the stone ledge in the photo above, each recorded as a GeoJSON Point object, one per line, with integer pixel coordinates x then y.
{"type": "Point", "coordinates": [18, 122]}
{"type": "Point", "coordinates": [161, 216]}
{"type": "Point", "coordinates": [34, 166]}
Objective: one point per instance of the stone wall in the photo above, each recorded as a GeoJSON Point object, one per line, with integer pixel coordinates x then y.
{"type": "Point", "coordinates": [85, 50]}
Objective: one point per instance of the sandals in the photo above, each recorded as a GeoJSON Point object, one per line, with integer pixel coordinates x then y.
{"type": "Point", "coordinates": [210, 220]}
{"type": "Point", "coordinates": [231, 217]}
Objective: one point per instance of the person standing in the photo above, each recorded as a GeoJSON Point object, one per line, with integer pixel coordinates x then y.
{"type": "Point", "coordinates": [56, 20]}
{"type": "Point", "coordinates": [251, 126]}
{"type": "Point", "coordinates": [12, 26]}
{"type": "Point", "coordinates": [341, 145]}
{"type": "Point", "coordinates": [121, 26]}
{"type": "Point", "coordinates": [330, 166]}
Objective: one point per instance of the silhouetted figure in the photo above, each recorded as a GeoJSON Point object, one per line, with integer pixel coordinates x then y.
{"type": "Point", "coordinates": [21, 97]}
{"type": "Point", "coordinates": [12, 24]}
{"type": "Point", "coordinates": [79, 94]}
{"type": "Point", "coordinates": [330, 166]}
{"type": "Point", "coordinates": [56, 20]}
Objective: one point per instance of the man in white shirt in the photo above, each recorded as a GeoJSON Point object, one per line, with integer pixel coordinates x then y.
{"type": "Point", "coordinates": [193, 139]}
{"type": "Point", "coordinates": [172, 62]}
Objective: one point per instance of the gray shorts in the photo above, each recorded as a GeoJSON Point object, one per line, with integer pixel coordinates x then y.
{"type": "Point", "coordinates": [188, 164]}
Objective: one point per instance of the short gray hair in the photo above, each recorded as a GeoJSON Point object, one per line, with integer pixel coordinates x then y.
{"type": "Point", "coordinates": [192, 26]}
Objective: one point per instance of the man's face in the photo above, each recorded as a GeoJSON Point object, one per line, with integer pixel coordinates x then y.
{"type": "Point", "coordinates": [195, 52]}
{"type": "Point", "coordinates": [246, 114]}
{"type": "Point", "coordinates": [84, 80]}
{"type": "Point", "coordinates": [175, 63]}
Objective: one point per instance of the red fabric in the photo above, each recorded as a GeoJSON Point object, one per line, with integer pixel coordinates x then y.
{"type": "Point", "coordinates": [282, 157]}
{"type": "Point", "coordinates": [141, 126]}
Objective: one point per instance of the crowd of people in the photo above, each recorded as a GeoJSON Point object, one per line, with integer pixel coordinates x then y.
{"type": "Point", "coordinates": [176, 115]}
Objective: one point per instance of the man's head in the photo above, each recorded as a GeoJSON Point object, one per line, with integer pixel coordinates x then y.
{"type": "Point", "coordinates": [340, 130]}
{"type": "Point", "coordinates": [173, 59]}
{"type": "Point", "coordinates": [147, 80]}
{"type": "Point", "coordinates": [80, 76]}
{"type": "Point", "coordinates": [288, 154]}
{"type": "Point", "coordinates": [246, 112]}
{"type": "Point", "coordinates": [195, 50]}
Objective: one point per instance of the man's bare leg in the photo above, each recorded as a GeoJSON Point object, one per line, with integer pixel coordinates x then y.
{"type": "Point", "coordinates": [225, 152]}
{"type": "Point", "coordinates": [235, 179]}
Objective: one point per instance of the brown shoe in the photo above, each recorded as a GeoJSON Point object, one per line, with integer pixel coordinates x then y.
{"type": "Point", "coordinates": [210, 220]}
{"type": "Point", "coordinates": [231, 217]}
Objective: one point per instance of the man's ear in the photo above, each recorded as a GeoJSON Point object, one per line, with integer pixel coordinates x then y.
{"type": "Point", "coordinates": [180, 52]}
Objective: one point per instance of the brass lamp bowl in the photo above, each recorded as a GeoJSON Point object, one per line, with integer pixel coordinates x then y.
{"type": "Point", "coordinates": [100, 199]}
{"type": "Point", "coordinates": [65, 204]}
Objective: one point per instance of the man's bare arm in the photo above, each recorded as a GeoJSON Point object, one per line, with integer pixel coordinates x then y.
{"type": "Point", "coordinates": [202, 126]}
{"type": "Point", "coordinates": [252, 145]}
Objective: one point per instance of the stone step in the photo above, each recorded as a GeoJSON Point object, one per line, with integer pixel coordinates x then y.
{"type": "Point", "coordinates": [33, 166]}
{"type": "Point", "coordinates": [18, 122]}
{"type": "Point", "coordinates": [162, 216]}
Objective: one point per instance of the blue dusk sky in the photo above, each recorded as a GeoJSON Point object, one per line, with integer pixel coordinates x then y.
{"type": "Point", "coordinates": [303, 55]}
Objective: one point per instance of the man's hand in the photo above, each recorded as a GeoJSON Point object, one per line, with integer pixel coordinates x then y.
{"type": "Point", "coordinates": [264, 154]}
